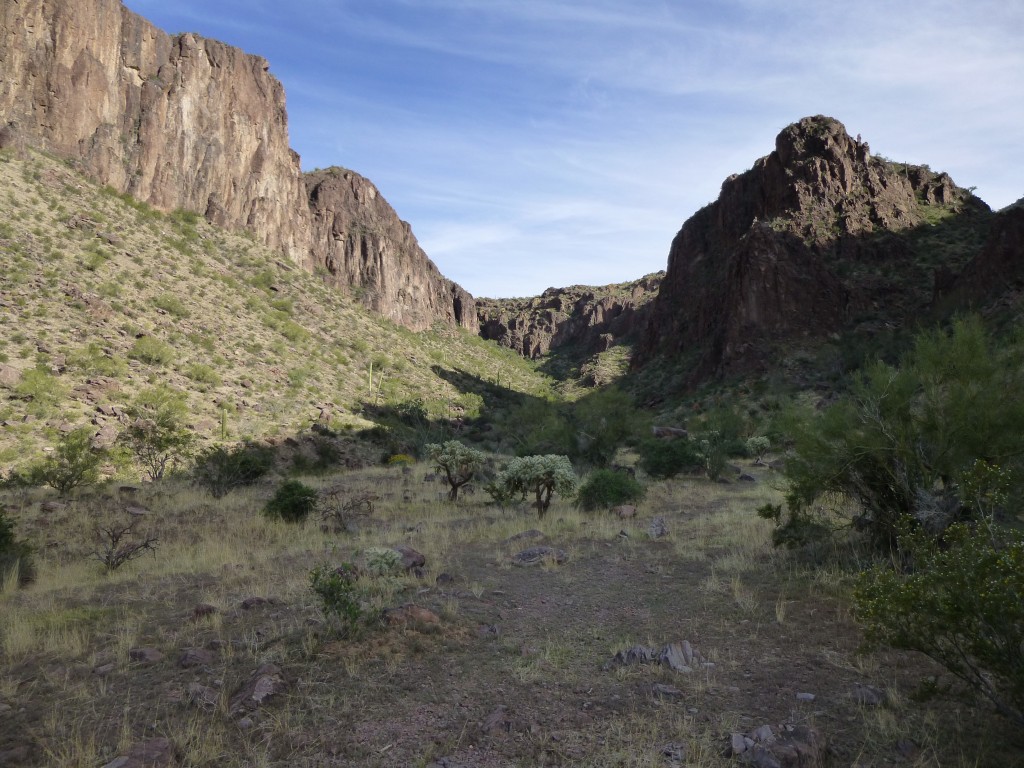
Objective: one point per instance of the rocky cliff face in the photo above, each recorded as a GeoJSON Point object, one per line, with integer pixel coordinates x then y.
{"type": "Point", "coordinates": [185, 122]}
{"type": "Point", "coordinates": [589, 318]}
{"type": "Point", "coordinates": [817, 237]}
{"type": "Point", "coordinates": [360, 241]}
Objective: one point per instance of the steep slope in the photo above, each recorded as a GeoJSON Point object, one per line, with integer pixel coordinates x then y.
{"type": "Point", "coordinates": [182, 122]}
{"type": "Point", "coordinates": [92, 312]}
{"type": "Point", "coordinates": [363, 243]}
{"type": "Point", "coordinates": [818, 237]}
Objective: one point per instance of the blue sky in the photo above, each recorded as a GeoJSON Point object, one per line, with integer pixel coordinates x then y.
{"type": "Point", "coordinates": [544, 143]}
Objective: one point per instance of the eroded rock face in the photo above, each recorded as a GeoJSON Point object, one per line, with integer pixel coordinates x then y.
{"type": "Point", "coordinates": [363, 244]}
{"type": "Point", "coordinates": [186, 122]}
{"type": "Point", "coordinates": [808, 241]}
{"type": "Point", "coordinates": [180, 122]}
{"type": "Point", "coordinates": [591, 318]}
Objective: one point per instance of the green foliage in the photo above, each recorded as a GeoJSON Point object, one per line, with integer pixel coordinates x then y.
{"type": "Point", "coordinates": [458, 462]}
{"type": "Point", "coordinates": [539, 427]}
{"type": "Point", "coordinates": [339, 598]}
{"type": "Point", "coordinates": [171, 304]}
{"type": "Point", "coordinates": [962, 605]}
{"type": "Point", "coordinates": [904, 441]}
{"type": "Point", "coordinates": [220, 470]}
{"type": "Point", "coordinates": [157, 434]}
{"type": "Point", "coordinates": [150, 349]}
{"type": "Point", "coordinates": [664, 458]}
{"type": "Point", "coordinates": [542, 475]}
{"type": "Point", "coordinates": [41, 389]}
{"type": "Point", "coordinates": [15, 556]}
{"type": "Point", "coordinates": [203, 374]}
{"type": "Point", "coordinates": [92, 360]}
{"type": "Point", "coordinates": [74, 462]}
{"type": "Point", "coordinates": [603, 421]}
{"type": "Point", "coordinates": [605, 488]}
{"type": "Point", "coordinates": [383, 561]}
{"type": "Point", "coordinates": [292, 502]}
{"type": "Point", "coordinates": [757, 447]}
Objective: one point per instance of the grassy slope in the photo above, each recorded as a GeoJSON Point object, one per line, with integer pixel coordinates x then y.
{"type": "Point", "coordinates": [245, 334]}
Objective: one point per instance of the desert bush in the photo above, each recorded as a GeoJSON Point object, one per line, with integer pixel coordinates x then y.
{"type": "Point", "coordinates": [220, 470]}
{"type": "Point", "coordinates": [607, 488]}
{"type": "Point", "coordinates": [292, 502]}
{"type": "Point", "coordinates": [665, 458]}
{"type": "Point", "coordinates": [458, 462]}
{"type": "Point", "coordinates": [905, 439]}
{"type": "Point", "coordinates": [603, 422]}
{"type": "Point", "coordinates": [16, 562]}
{"type": "Point", "coordinates": [157, 434]}
{"type": "Point", "coordinates": [339, 599]}
{"type": "Point", "coordinates": [542, 475]}
{"type": "Point", "coordinates": [149, 349]}
{"type": "Point", "coordinates": [757, 447]}
{"type": "Point", "coordinates": [41, 389]}
{"type": "Point", "coordinates": [74, 462]}
{"type": "Point", "coordinates": [962, 604]}
{"type": "Point", "coordinates": [538, 427]}
{"type": "Point", "coordinates": [203, 374]}
{"type": "Point", "coordinates": [383, 561]}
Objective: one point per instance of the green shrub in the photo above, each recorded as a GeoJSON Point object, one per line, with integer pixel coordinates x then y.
{"type": "Point", "coordinates": [40, 388]}
{"type": "Point", "coordinates": [150, 349]}
{"type": "Point", "coordinates": [961, 605]}
{"type": "Point", "coordinates": [607, 488]}
{"type": "Point", "coordinates": [16, 561]}
{"type": "Point", "coordinates": [220, 470]}
{"type": "Point", "coordinates": [603, 422]}
{"type": "Point", "coordinates": [203, 374]}
{"type": "Point", "coordinates": [542, 475]}
{"type": "Point", "coordinates": [665, 458]}
{"type": "Point", "coordinates": [339, 598]}
{"type": "Point", "coordinates": [74, 462]}
{"type": "Point", "coordinates": [171, 304]}
{"type": "Point", "coordinates": [292, 503]}
{"type": "Point", "coordinates": [903, 442]}
{"type": "Point", "coordinates": [157, 434]}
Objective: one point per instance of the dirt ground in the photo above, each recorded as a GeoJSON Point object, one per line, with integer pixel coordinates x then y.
{"type": "Point", "coordinates": [516, 671]}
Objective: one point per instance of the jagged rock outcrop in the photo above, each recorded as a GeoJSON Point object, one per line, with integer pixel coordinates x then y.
{"type": "Point", "coordinates": [586, 317]}
{"type": "Point", "coordinates": [186, 122]}
{"type": "Point", "coordinates": [360, 241]}
{"type": "Point", "coordinates": [817, 237]}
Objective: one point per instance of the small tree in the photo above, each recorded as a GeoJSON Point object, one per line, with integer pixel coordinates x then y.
{"type": "Point", "coordinates": [458, 462]}
{"type": "Point", "coordinates": [74, 462]}
{"type": "Point", "coordinates": [757, 447]}
{"type": "Point", "coordinates": [608, 487]}
{"type": "Point", "coordinates": [157, 434]}
{"type": "Point", "coordinates": [543, 475]}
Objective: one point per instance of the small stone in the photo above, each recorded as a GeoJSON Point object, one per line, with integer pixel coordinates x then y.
{"type": "Point", "coordinates": [245, 723]}
{"type": "Point", "coordinates": [625, 512]}
{"type": "Point", "coordinates": [666, 691]}
{"type": "Point", "coordinates": [410, 558]}
{"type": "Point", "coordinates": [444, 579]}
{"type": "Point", "coordinates": [533, 533]}
{"type": "Point", "coordinates": [195, 657]}
{"type": "Point", "coordinates": [657, 528]}
{"type": "Point", "coordinates": [763, 735]}
{"type": "Point", "coordinates": [805, 697]}
{"type": "Point", "coordinates": [145, 655]}
{"type": "Point", "coordinates": [203, 696]}
{"type": "Point", "coordinates": [868, 695]}
{"type": "Point", "coordinates": [265, 683]}
{"type": "Point", "coordinates": [103, 670]}
{"type": "Point", "coordinates": [538, 555]}
{"type": "Point", "coordinates": [737, 744]}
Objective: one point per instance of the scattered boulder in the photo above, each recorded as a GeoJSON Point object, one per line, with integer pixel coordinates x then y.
{"type": "Point", "coordinates": [145, 655]}
{"type": "Point", "coordinates": [195, 657]}
{"type": "Point", "coordinates": [265, 683]}
{"type": "Point", "coordinates": [410, 558]}
{"type": "Point", "coordinates": [679, 657]}
{"type": "Point", "coordinates": [624, 512]}
{"type": "Point", "coordinates": [152, 753]}
{"type": "Point", "coordinates": [538, 555]}
{"type": "Point", "coordinates": [657, 528]}
{"type": "Point", "coordinates": [410, 614]}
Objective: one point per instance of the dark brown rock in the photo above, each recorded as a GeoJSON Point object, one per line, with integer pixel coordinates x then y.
{"type": "Point", "coordinates": [145, 655]}
{"type": "Point", "coordinates": [410, 558]}
{"type": "Point", "coordinates": [195, 657]}
{"type": "Point", "coordinates": [538, 555]}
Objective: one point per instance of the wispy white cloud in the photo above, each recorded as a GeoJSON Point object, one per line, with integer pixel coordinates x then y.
{"type": "Point", "coordinates": [538, 142]}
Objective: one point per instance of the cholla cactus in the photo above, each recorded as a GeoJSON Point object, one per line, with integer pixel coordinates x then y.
{"type": "Point", "coordinates": [757, 447]}
{"type": "Point", "coordinates": [544, 475]}
{"type": "Point", "coordinates": [458, 462]}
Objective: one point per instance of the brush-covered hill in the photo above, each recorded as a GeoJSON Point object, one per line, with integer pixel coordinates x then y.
{"type": "Point", "coordinates": [103, 297]}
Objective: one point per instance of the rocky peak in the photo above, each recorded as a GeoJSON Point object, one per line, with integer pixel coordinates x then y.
{"type": "Point", "coordinates": [816, 237]}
